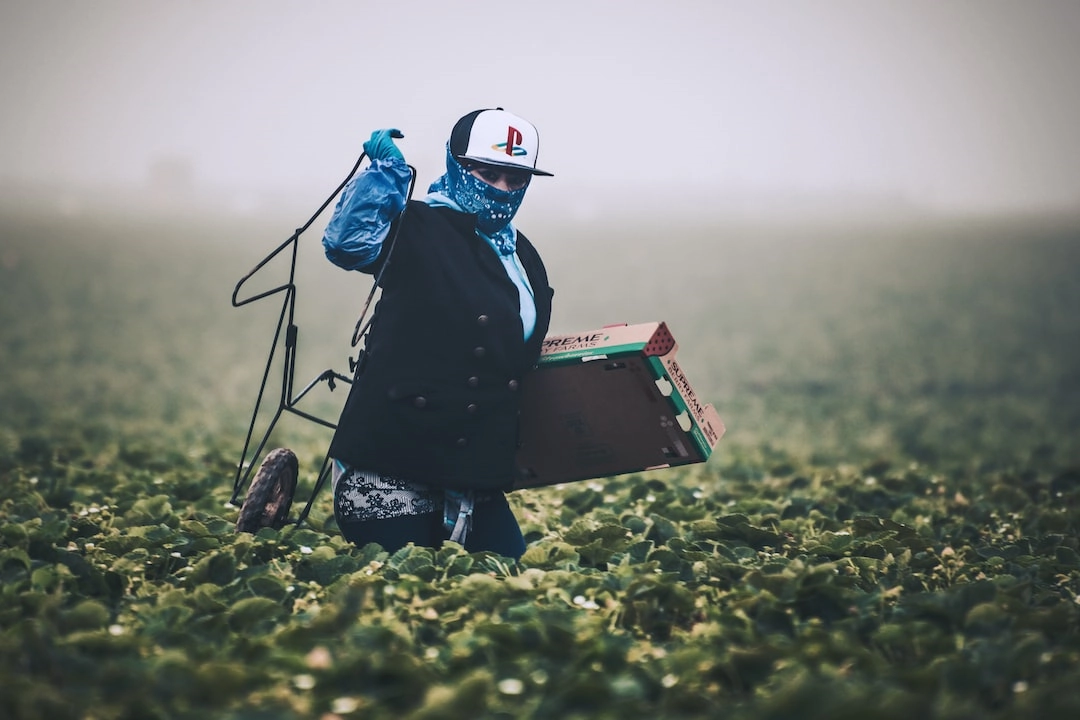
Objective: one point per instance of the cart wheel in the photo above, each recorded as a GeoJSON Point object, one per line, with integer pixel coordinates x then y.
{"type": "Point", "coordinates": [271, 493]}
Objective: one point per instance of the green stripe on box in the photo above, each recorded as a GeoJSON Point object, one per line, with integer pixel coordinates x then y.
{"type": "Point", "coordinates": [699, 440]}
{"type": "Point", "coordinates": [677, 400]}
{"type": "Point", "coordinates": [659, 370]}
{"type": "Point", "coordinates": [568, 355]}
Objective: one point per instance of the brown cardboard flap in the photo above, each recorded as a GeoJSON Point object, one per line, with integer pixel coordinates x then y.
{"type": "Point", "coordinates": [608, 402]}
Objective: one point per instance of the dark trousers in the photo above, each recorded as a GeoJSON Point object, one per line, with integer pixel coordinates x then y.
{"type": "Point", "coordinates": [494, 528]}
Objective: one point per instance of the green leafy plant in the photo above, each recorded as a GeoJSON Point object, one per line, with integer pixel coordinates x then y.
{"type": "Point", "coordinates": [889, 529]}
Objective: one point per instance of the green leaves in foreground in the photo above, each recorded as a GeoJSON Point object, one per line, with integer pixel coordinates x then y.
{"type": "Point", "coordinates": [779, 598]}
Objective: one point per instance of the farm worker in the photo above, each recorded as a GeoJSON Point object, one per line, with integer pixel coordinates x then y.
{"type": "Point", "coordinates": [425, 447]}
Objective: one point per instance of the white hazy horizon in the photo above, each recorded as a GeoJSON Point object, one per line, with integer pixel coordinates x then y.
{"type": "Point", "coordinates": [961, 104]}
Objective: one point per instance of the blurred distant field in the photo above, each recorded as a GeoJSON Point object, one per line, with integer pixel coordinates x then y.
{"type": "Point", "coordinates": [889, 526]}
{"type": "Point", "coordinates": [950, 342]}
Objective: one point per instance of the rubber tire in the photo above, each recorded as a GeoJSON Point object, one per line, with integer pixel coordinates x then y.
{"type": "Point", "coordinates": [270, 496]}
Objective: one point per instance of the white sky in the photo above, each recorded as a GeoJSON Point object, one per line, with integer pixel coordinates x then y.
{"type": "Point", "coordinates": [954, 103]}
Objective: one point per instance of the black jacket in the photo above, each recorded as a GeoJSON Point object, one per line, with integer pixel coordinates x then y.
{"type": "Point", "coordinates": [436, 398]}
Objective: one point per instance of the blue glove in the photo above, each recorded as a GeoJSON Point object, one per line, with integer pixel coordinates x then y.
{"type": "Point", "coordinates": [382, 147]}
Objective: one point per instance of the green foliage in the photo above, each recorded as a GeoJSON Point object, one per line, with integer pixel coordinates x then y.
{"type": "Point", "coordinates": [890, 528]}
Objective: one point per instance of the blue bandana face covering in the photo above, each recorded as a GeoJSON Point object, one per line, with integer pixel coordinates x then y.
{"type": "Point", "coordinates": [493, 207]}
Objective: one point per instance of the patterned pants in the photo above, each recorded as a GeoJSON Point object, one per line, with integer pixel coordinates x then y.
{"type": "Point", "coordinates": [376, 508]}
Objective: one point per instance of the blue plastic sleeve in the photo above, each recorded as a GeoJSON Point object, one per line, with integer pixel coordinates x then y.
{"type": "Point", "coordinates": [368, 205]}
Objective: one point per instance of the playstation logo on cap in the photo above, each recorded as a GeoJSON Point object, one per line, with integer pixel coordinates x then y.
{"type": "Point", "coordinates": [497, 137]}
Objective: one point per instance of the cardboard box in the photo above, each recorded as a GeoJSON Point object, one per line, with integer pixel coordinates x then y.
{"type": "Point", "coordinates": [608, 402]}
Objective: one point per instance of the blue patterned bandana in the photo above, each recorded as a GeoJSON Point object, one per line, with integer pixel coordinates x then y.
{"type": "Point", "coordinates": [494, 208]}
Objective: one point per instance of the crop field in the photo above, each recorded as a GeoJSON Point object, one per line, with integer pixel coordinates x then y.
{"type": "Point", "coordinates": [889, 529]}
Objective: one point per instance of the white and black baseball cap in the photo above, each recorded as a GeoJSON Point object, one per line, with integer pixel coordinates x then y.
{"type": "Point", "coordinates": [497, 137]}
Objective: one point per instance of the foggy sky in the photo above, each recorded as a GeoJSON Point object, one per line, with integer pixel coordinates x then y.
{"type": "Point", "coordinates": [937, 102]}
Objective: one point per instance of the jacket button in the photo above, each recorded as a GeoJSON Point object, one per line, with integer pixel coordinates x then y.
{"type": "Point", "coordinates": [512, 385]}
{"type": "Point", "coordinates": [479, 351]}
{"type": "Point", "coordinates": [461, 442]}
{"type": "Point", "coordinates": [482, 320]}
{"type": "Point", "coordinates": [419, 401]}
{"type": "Point", "coordinates": [471, 408]}
{"type": "Point", "coordinates": [473, 381]}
